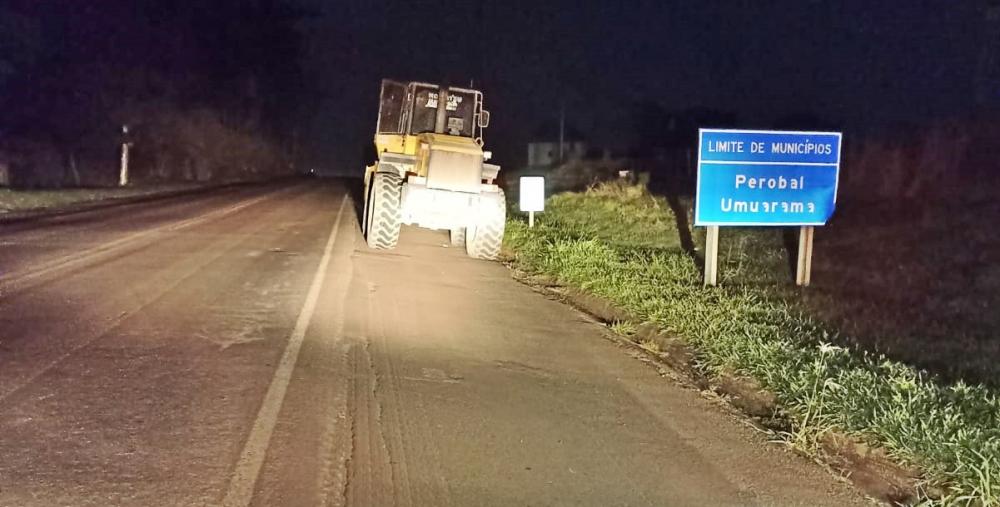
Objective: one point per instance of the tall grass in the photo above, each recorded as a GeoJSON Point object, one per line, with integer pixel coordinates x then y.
{"type": "Point", "coordinates": [605, 242]}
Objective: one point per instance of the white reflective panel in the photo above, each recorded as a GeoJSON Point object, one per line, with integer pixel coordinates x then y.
{"type": "Point", "coordinates": [532, 193]}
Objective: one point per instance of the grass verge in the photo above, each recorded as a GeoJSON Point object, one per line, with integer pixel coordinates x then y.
{"type": "Point", "coordinates": [608, 243]}
{"type": "Point", "coordinates": [28, 200]}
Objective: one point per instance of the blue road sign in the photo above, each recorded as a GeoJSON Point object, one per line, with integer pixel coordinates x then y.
{"type": "Point", "coordinates": [760, 177]}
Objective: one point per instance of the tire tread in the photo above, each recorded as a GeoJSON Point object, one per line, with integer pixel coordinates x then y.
{"type": "Point", "coordinates": [386, 211]}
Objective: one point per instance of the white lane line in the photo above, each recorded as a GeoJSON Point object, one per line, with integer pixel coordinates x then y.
{"type": "Point", "coordinates": [248, 468]}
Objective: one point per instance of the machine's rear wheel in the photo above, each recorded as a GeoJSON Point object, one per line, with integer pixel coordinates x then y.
{"type": "Point", "coordinates": [484, 239]}
{"type": "Point", "coordinates": [457, 236]}
{"type": "Point", "coordinates": [383, 211]}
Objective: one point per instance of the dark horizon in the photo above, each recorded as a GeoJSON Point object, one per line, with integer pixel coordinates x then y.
{"type": "Point", "coordinates": [852, 64]}
{"type": "Point", "coordinates": [308, 71]}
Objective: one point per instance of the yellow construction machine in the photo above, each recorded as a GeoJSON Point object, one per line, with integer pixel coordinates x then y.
{"type": "Point", "coordinates": [432, 171]}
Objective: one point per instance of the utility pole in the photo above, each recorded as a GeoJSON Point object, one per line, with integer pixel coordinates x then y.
{"type": "Point", "coordinates": [479, 43]}
{"type": "Point", "coordinates": [987, 76]}
{"type": "Point", "coordinates": [562, 129]}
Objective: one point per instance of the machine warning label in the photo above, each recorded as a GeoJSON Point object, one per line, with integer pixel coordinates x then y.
{"type": "Point", "coordinates": [453, 101]}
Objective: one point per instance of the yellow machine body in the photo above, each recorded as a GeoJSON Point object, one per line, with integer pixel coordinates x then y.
{"type": "Point", "coordinates": [431, 169]}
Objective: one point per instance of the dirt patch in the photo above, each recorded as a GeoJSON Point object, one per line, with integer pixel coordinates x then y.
{"type": "Point", "coordinates": [871, 469]}
{"type": "Point", "coordinates": [668, 349]}
{"type": "Point", "coordinates": [597, 307]}
{"type": "Point", "coordinates": [747, 395]}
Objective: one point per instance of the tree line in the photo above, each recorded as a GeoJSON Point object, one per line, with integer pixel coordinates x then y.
{"type": "Point", "coordinates": [208, 90]}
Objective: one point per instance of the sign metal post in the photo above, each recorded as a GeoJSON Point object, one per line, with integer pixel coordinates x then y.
{"type": "Point", "coordinates": [712, 255]}
{"type": "Point", "coordinates": [803, 271]}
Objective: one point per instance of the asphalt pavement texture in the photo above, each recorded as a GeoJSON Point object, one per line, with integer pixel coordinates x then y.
{"type": "Point", "coordinates": [244, 347]}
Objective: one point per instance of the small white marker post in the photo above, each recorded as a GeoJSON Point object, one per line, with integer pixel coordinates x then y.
{"type": "Point", "coordinates": [712, 256]}
{"type": "Point", "coordinates": [532, 196]}
{"type": "Point", "coordinates": [803, 271]}
{"type": "Point", "coordinates": [123, 174]}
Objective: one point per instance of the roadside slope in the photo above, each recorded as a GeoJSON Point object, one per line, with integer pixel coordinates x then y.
{"type": "Point", "coordinates": [608, 242]}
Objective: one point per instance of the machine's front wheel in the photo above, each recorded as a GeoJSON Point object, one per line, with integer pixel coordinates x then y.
{"type": "Point", "coordinates": [457, 236]}
{"type": "Point", "coordinates": [484, 239]}
{"type": "Point", "coordinates": [383, 211]}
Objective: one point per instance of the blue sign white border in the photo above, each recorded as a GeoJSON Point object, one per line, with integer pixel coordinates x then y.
{"type": "Point", "coordinates": [702, 131]}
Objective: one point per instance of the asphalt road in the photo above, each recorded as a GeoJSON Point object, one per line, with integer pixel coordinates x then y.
{"type": "Point", "coordinates": [245, 348]}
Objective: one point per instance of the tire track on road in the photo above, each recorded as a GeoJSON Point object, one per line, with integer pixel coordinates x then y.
{"type": "Point", "coordinates": [388, 439]}
{"type": "Point", "coordinates": [423, 449]}
{"type": "Point", "coordinates": [393, 427]}
{"type": "Point", "coordinates": [337, 440]}
{"type": "Point", "coordinates": [369, 473]}
{"type": "Point", "coordinates": [335, 444]}
{"type": "Point", "coordinates": [247, 469]}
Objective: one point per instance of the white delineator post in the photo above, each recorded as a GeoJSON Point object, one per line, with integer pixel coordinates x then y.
{"type": "Point", "coordinates": [712, 255]}
{"type": "Point", "coordinates": [803, 271]}
{"type": "Point", "coordinates": [123, 175]}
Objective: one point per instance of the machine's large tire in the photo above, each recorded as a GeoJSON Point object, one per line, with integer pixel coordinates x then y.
{"type": "Point", "coordinates": [383, 211]}
{"type": "Point", "coordinates": [457, 236]}
{"type": "Point", "coordinates": [484, 239]}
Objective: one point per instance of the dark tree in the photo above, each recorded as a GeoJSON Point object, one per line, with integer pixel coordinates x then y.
{"type": "Point", "coordinates": [665, 145]}
{"type": "Point", "coordinates": [209, 89]}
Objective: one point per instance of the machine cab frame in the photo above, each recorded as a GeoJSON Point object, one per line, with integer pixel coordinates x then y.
{"type": "Point", "coordinates": [411, 109]}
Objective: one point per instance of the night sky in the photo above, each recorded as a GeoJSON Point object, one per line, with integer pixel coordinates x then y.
{"type": "Point", "coordinates": [316, 64]}
{"type": "Point", "coordinates": [853, 63]}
